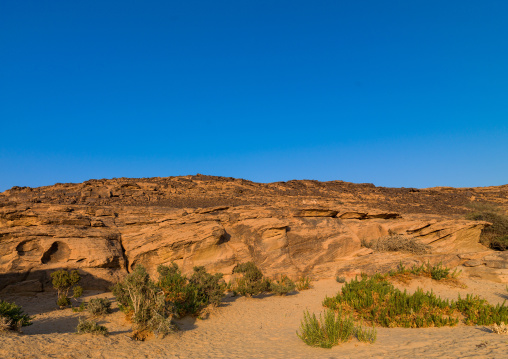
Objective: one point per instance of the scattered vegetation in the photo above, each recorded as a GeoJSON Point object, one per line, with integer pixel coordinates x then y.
{"type": "Point", "coordinates": [303, 283]}
{"type": "Point", "coordinates": [377, 301]}
{"type": "Point", "coordinates": [99, 306]}
{"type": "Point", "coordinates": [282, 285]}
{"type": "Point", "coordinates": [437, 272]}
{"type": "Point", "coordinates": [90, 326]}
{"type": "Point", "coordinates": [12, 317]}
{"type": "Point", "coordinates": [332, 329]}
{"type": "Point", "coordinates": [494, 236]}
{"type": "Point", "coordinates": [63, 282]}
{"type": "Point", "coordinates": [397, 243]}
{"type": "Point", "coordinates": [252, 282]}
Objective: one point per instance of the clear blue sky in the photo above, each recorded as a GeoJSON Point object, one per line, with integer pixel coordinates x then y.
{"type": "Point", "coordinates": [395, 93]}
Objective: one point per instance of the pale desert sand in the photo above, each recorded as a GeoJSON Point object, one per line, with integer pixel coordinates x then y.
{"type": "Point", "coordinates": [252, 328]}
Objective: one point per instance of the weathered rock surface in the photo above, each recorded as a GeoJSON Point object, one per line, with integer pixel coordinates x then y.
{"type": "Point", "coordinates": [106, 227]}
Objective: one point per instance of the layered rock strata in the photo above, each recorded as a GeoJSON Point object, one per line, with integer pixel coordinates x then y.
{"type": "Point", "coordinates": [104, 228]}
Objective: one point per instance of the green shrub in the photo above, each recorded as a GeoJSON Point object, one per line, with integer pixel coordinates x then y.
{"type": "Point", "coordinates": [479, 312]}
{"type": "Point", "coordinates": [209, 288]}
{"type": "Point", "coordinates": [303, 283]}
{"type": "Point", "coordinates": [89, 326]}
{"type": "Point", "coordinates": [12, 317]}
{"type": "Point", "coordinates": [174, 286]}
{"type": "Point", "coordinates": [494, 236]}
{"type": "Point", "coordinates": [377, 301]}
{"type": "Point", "coordinates": [253, 282]}
{"type": "Point", "coordinates": [99, 306]}
{"type": "Point", "coordinates": [190, 296]}
{"type": "Point", "coordinates": [63, 282]}
{"type": "Point", "coordinates": [282, 285]}
{"type": "Point", "coordinates": [144, 302]}
{"type": "Point", "coordinates": [331, 329]}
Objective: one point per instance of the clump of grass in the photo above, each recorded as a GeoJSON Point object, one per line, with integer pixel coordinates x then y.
{"type": "Point", "coordinates": [90, 326]}
{"type": "Point", "coordinates": [99, 306]}
{"type": "Point", "coordinates": [494, 236]}
{"type": "Point", "coordinates": [397, 243]}
{"type": "Point", "coordinates": [303, 283]}
{"type": "Point", "coordinates": [282, 285]}
{"type": "Point", "coordinates": [340, 279]}
{"type": "Point", "coordinates": [12, 317]}
{"type": "Point", "coordinates": [331, 329]}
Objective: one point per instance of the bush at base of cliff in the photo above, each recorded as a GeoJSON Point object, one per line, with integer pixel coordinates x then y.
{"type": "Point", "coordinates": [63, 282]}
{"type": "Point", "coordinates": [282, 286]}
{"type": "Point", "coordinates": [190, 295]}
{"type": "Point", "coordinates": [144, 302]}
{"type": "Point", "coordinates": [494, 236]}
{"type": "Point", "coordinates": [253, 282]}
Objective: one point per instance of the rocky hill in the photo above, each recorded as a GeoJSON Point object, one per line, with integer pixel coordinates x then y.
{"type": "Point", "coordinates": [105, 227]}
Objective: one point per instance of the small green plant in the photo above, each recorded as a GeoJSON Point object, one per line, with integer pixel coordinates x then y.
{"type": "Point", "coordinates": [439, 272]}
{"type": "Point", "coordinates": [63, 282]}
{"type": "Point", "coordinates": [80, 308]}
{"type": "Point", "coordinates": [365, 334]}
{"type": "Point", "coordinates": [340, 279]}
{"type": "Point", "coordinates": [494, 236]}
{"type": "Point", "coordinates": [90, 326]}
{"type": "Point", "coordinates": [282, 286]}
{"type": "Point", "coordinates": [12, 317]}
{"type": "Point", "coordinates": [253, 282]}
{"type": "Point", "coordinates": [99, 306]}
{"type": "Point", "coordinates": [303, 283]}
{"type": "Point", "coordinates": [331, 329]}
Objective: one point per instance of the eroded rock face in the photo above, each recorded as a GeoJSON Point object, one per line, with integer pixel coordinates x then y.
{"type": "Point", "coordinates": [298, 236]}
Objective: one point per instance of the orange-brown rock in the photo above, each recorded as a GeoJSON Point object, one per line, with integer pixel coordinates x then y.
{"type": "Point", "coordinates": [106, 227]}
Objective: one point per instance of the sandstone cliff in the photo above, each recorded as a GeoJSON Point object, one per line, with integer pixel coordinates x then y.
{"type": "Point", "coordinates": [105, 227]}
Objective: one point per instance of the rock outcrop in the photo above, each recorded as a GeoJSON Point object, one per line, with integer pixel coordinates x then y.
{"type": "Point", "coordinates": [106, 227]}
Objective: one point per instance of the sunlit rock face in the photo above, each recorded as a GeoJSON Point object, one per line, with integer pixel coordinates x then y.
{"type": "Point", "coordinates": [104, 228]}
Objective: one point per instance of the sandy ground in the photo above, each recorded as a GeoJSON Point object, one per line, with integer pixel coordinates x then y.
{"type": "Point", "coordinates": [251, 328]}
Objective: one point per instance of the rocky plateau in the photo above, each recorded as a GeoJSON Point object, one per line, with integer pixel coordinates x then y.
{"type": "Point", "coordinates": [104, 228]}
